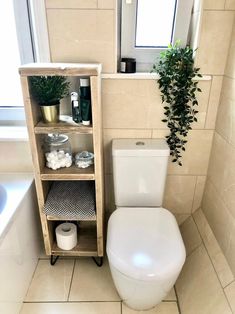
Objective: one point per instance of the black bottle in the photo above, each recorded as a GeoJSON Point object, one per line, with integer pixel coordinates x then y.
{"type": "Point", "coordinates": [85, 101]}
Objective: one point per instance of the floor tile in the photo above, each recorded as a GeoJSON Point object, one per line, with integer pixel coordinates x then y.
{"type": "Point", "coordinates": [92, 283]}
{"type": "Point", "coordinates": [198, 288]}
{"type": "Point", "coordinates": [51, 283]}
{"type": "Point", "coordinates": [230, 293]}
{"type": "Point", "coordinates": [217, 257]}
{"type": "Point", "coordinates": [162, 308]}
{"type": "Point", "coordinates": [72, 308]}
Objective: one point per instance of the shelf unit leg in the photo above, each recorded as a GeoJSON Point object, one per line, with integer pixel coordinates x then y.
{"type": "Point", "coordinates": [54, 258]}
{"type": "Point", "coordinates": [98, 263]}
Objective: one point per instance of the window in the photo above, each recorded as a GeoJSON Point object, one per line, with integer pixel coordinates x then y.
{"type": "Point", "coordinates": [20, 45]}
{"type": "Point", "coordinates": [149, 26]}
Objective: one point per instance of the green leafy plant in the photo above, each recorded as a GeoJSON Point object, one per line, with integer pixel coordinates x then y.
{"type": "Point", "coordinates": [178, 88]}
{"type": "Point", "coordinates": [49, 90]}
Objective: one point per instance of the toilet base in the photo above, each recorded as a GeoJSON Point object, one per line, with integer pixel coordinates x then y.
{"type": "Point", "coordinates": [138, 294]}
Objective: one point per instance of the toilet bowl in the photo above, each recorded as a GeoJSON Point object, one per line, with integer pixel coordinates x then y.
{"type": "Point", "coordinates": [144, 246]}
{"type": "Point", "coordinates": [146, 253]}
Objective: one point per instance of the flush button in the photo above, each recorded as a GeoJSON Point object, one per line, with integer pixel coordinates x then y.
{"type": "Point", "coordinates": [140, 143]}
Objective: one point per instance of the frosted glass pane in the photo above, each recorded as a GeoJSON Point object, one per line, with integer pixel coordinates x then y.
{"type": "Point", "coordinates": [10, 92]}
{"type": "Point", "coordinates": [154, 23]}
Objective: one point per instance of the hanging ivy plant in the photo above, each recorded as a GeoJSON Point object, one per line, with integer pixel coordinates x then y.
{"type": "Point", "coordinates": [178, 91]}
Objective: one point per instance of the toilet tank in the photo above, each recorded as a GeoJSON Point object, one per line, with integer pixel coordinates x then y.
{"type": "Point", "coordinates": [139, 171]}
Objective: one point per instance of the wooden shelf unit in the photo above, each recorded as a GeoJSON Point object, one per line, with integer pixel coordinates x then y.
{"type": "Point", "coordinates": [90, 240]}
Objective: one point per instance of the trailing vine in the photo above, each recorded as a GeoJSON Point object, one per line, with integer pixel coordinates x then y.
{"type": "Point", "coordinates": [178, 91]}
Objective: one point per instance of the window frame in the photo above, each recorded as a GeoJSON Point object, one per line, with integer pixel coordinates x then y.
{"type": "Point", "coordinates": [33, 42]}
{"type": "Point", "coordinates": [145, 57]}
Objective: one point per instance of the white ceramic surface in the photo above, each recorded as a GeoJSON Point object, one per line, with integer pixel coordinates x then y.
{"type": "Point", "coordinates": [135, 161]}
{"type": "Point", "coordinates": [144, 245]}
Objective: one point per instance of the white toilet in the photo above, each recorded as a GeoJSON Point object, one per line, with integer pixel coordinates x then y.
{"type": "Point", "coordinates": [144, 245]}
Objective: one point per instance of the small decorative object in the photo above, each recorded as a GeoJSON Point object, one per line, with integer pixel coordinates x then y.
{"type": "Point", "coordinates": [47, 92]}
{"type": "Point", "coordinates": [57, 151]}
{"type": "Point", "coordinates": [76, 111]}
{"type": "Point", "coordinates": [85, 101]}
{"type": "Point", "coordinates": [178, 88]}
{"type": "Point", "coordinates": [84, 159]}
{"type": "Point", "coordinates": [128, 65]}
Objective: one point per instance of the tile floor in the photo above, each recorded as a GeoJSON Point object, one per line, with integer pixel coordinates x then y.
{"type": "Point", "coordinates": [79, 286]}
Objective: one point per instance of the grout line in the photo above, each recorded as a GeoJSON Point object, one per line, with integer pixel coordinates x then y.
{"type": "Point", "coordinates": [177, 301]}
{"type": "Point", "coordinates": [208, 103]}
{"type": "Point", "coordinates": [70, 286]}
{"type": "Point", "coordinates": [233, 281]}
{"type": "Point", "coordinates": [194, 194]}
{"type": "Point", "coordinates": [31, 279]}
{"type": "Point", "coordinates": [65, 302]}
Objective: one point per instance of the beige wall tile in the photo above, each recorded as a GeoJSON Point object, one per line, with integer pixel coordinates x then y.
{"type": "Point", "coordinates": [214, 41]}
{"type": "Point", "coordinates": [82, 36]}
{"type": "Point", "coordinates": [203, 100]}
{"type": "Point", "coordinates": [221, 173]}
{"type": "Point", "coordinates": [213, 102]}
{"type": "Point", "coordinates": [85, 288]}
{"type": "Point", "coordinates": [190, 235]}
{"type": "Point", "coordinates": [213, 4]}
{"type": "Point", "coordinates": [230, 4]}
{"type": "Point", "coordinates": [51, 283]}
{"type": "Point", "coordinates": [109, 134]}
{"type": "Point", "coordinates": [106, 4]}
{"type": "Point", "coordinates": [200, 186]}
{"type": "Point", "coordinates": [109, 195]}
{"type": "Point", "coordinates": [217, 257]}
{"type": "Point", "coordinates": [162, 308]}
{"type": "Point", "coordinates": [71, 4]}
{"type": "Point", "coordinates": [196, 157]}
{"type": "Point", "coordinates": [198, 288]}
{"type": "Point", "coordinates": [180, 218]}
{"type": "Point", "coordinates": [18, 157]}
{"type": "Point", "coordinates": [171, 296]}
{"type": "Point", "coordinates": [137, 103]}
{"type": "Point", "coordinates": [224, 123]}
{"type": "Point", "coordinates": [230, 67]}
{"type": "Point", "coordinates": [131, 104]}
{"type": "Point", "coordinates": [221, 222]}
{"type": "Point", "coordinates": [72, 308]}
{"type": "Point", "coordinates": [179, 193]}
{"type": "Point", "coordinates": [230, 294]}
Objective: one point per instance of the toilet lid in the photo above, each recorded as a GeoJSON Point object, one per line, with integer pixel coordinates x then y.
{"type": "Point", "coordinates": [145, 243]}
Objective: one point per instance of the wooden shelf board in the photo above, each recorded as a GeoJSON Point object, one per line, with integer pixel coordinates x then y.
{"type": "Point", "coordinates": [71, 173]}
{"type": "Point", "coordinates": [87, 244]}
{"type": "Point", "coordinates": [56, 218]}
{"type": "Point", "coordinates": [62, 127]}
{"type": "Point", "coordinates": [66, 69]}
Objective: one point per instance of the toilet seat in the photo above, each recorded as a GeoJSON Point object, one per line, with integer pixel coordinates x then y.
{"type": "Point", "coordinates": [145, 243]}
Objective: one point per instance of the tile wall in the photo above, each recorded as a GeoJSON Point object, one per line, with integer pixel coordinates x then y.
{"type": "Point", "coordinates": [132, 108]}
{"type": "Point", "coordinates": [219, 196]}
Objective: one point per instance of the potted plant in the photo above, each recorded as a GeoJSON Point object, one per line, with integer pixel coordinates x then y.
{"type": "Point", "coordinates": [178, 85]}
{"type": "Point", "coordinates": [47, 91]}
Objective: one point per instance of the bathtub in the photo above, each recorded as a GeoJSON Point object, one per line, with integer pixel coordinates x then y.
{"type": "Point", "coordinates": [20, 239]}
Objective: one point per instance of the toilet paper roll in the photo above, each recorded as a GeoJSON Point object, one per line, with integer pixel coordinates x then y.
{"type": "Point", "coordinates": [66, 236]}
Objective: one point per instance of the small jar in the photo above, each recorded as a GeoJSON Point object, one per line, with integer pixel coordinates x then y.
{"type": "Point", "coordinates": [84, 159]}
{"type": "Point", "coordinates": [57, 151]}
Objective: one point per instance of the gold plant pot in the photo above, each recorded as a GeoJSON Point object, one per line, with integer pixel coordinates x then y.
{"type": "Point", "coordinates": [51, 114]}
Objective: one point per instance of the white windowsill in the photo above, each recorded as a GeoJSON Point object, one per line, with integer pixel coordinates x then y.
{"type": "Point", "coordinates": [13, 134]}
{"type": "Point", "coordinates": [142, 76]}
